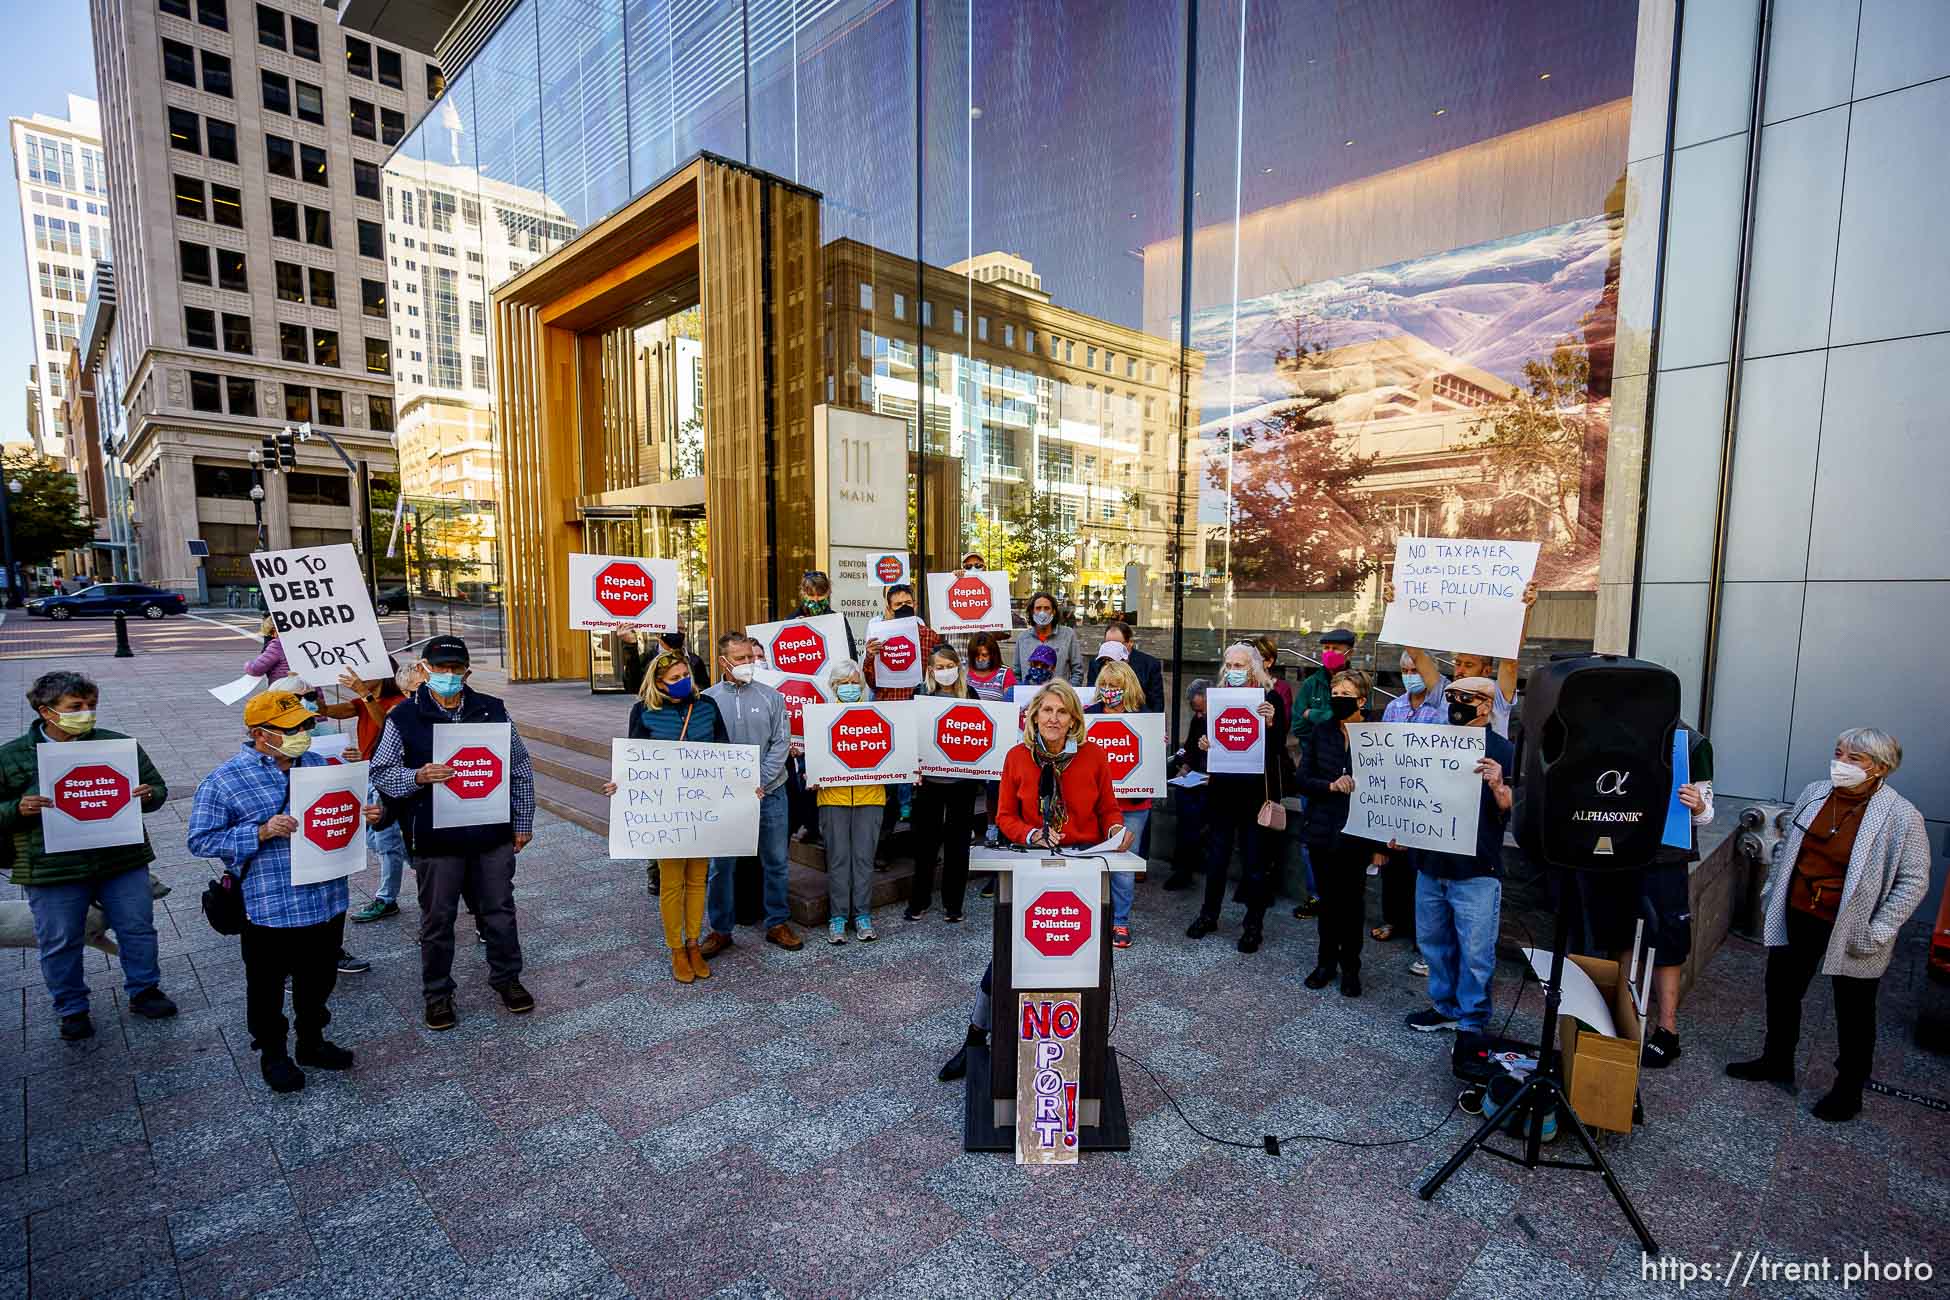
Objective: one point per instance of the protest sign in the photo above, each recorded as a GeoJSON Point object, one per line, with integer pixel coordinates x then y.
{"type": "Point", "coordinates": [331, 745]}
{"type": "Point", "coordinates": [968, 738]}
{"type": "Point", "coordinates": [802, 647]}
{"type": "Point", "coordinates": [1049, 1071]}
{"type": "Point", "coordinates": [1455, 594]}
{"type": "Point", "coordinates": [323, 612]}
{"type": "Point", "coordinates": [860, 744]}
{"type": "Point", "coordinates": [1236, 731]}
{"type": "Point", "coordinates": [1058, 929]}
{"type": "Point", "coordinates": [1416, 784]}
{"type": "Point", "coordinates": [1134, 744]}
{"type": "Point", "coordinates": [900, 651]}
{"type": "Point", "coordinates": [92, 785]}
{"type": "Point", "coordinates": [608, 592]}
{"type": "Point", "coordinates": [977, 601]}
{"type": "Point", "coordinates": [798, 693]}
{"type": "Point", "coordinates": [683, 799]}
{"type": "Point", "coordinates": [234, 692]}
{"type": "Point", "coordinates": [886, 568]}
{"type": "Point", "coordinates": [477, 793]}
{"type": "Point", "coordinates": [328, 803]}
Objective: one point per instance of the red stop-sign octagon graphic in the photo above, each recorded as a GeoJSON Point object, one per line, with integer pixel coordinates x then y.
{"type": "Point", "coordinates": [624, 589]}
{"type": "Point", "coordinates": [1236, 728]}
{"type": "Point", "coordinates": [333, 820]}
{"type": "Point", "coordinates": [477, 772]}
{"type": "Point", "coordinates": [969, 598]}
{"type": "Point", "coordinates": [1120, 745]}
{"type": "Point", "coordinates": [862, 739]}
{"type": "Point", "coordinates": [964, 734]}
{"type": "Point", "coordinates": [897, 653]}
{"type": "Point", "coordinates": [888, 569]}
{"type": "Point", "coordinates": [798, 694]}
{"type": "Point", "coordinates": [1057, 924]}
{"type": "Point", "coordinates": [799, 649]}
{"type": "Point", "coordinates": [92, 792]}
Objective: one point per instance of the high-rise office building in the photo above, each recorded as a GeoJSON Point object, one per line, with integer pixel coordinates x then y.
{"type": "Point", "coordinates": [62, 181]}
{"type": "Point", "coordinates": [244, 144]}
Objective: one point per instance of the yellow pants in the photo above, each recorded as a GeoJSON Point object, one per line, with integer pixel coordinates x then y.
{"type": "Point", "coordinates": [680, 897]}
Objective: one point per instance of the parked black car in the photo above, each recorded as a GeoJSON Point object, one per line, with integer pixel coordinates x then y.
{"type": "Point", "coordinates": [107, 597]}
{"type": "Point", "coordinates": [391, 600]}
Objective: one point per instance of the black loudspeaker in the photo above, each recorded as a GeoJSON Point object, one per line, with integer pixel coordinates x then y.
{"type": "Point", "coordinates": [1597, 768]}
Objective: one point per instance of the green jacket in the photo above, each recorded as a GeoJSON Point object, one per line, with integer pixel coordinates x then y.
{"type": "Point", "coordinates": [20, 837]}
{"type": "Point", "coordinates": [1311, 707]}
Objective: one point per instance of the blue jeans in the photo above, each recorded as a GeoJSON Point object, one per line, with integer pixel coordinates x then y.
{"type": "Point", "coordinates": [61, 928]}
{"type": "Point", "coordinates": [1123, 884]}
{"type": "Point", "coordinates": [720, 896]}
{"type": "Point", "coordinates": [390, 845]}
{"type": "Point", "coordinates": [1456, 924]}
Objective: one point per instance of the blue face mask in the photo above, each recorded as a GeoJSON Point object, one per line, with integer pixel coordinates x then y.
{"type": "Point", "coordinates": [311, 706]}
{"type": "Point", "coordinates": [679, 689]}
{"type": "Point", "coordinates": [849, 692]}
{"type": "Point", "coordinates": [1412, 683]}
{"type": "Point", "coordinates": [444, 683]}
{"type": "Point", "coordinates": [1235, 677]}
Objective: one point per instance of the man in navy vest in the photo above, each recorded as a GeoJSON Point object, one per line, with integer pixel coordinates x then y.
{"type": "Point", "coordinates": [452, 858]}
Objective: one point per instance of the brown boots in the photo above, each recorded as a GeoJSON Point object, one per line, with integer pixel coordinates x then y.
{"type": "Point", "coordinates": [698, 968]}
{"type": "Point", "coordinates": [687, 964]}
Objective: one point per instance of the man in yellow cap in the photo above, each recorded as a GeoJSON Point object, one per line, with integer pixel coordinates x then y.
{"type": "Point", "coordinates": [241, 815]}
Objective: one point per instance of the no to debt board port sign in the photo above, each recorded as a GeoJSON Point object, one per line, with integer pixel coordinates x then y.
{"type": "Point", "coordinates": [802, 647]}
{"type": "Point", "coordinates": [477, 793]}
{"type": "Point", "coordinates": [859, 744]}
{"type": "Point", "coordinates": [327, 802]}
{"type": "Point", "coordinates": [1057, 933]}
{"type": "Point", "coordinates": [91, 785]}
{"type": "Point", "coordinates": [966, 738]}
{"type": "Point", "coordinates": [977, 601]}
{"type": "Point", "coordinates": [610, 592]}
{"type": "Point", "coordinates": [1235, 730]}
{"type": "Point", "coordinates": [323, 612]}
{"type": "Point", "coordinates": [1134, 747]}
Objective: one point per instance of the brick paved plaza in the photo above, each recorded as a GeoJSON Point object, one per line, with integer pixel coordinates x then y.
{"type": "Point", "coordinates": [778, 1131]}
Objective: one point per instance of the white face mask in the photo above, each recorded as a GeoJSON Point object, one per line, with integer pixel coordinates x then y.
{"type": "Point", "coordinates": [1845, 776]}
{"type": "Point", "coordinates": [742, 673]}
{"type": "Point", "coordinates": [946, 676]}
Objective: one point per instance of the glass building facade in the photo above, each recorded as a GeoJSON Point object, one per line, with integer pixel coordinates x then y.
{"type": "Point", "coordinates": [1235, 289]}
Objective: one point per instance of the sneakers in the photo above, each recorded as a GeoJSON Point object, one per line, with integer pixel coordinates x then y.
{"type": "Point", "coordinates": [1661, 1049]}
{"type": "Point", "coordinates": [1201, 926]}
{"type": "Point", "coordinates": [282, 1075]}
{"type": "Point", "coordinates": [76, 1027]}
{"type": "Point", "coordinates": [516, 998]}
{"type": "Point", "coordinates": [1430, 1021]}
{"type": "Point", "coordinates": [784, 936]}
{"type": "Point", "coordinates": [714, 943]}
{"type": "Point", "coordinates": [1418, 967]}
{"type": "Point", "coordinates": [377, 909]}
{"type": "Point", "coordinates": [836, 930]}
{"type": "Point", "coordinates": [350, 965]}
{"type": "Point", "coordinates": [952, 918]}
{"type": "Point", "coordinates": [1320, 977]}
{"type": "Point", "coordinates": [323, 1055]}
{"type": "Point", "coordinates": [863, 926]}
{"type": "Point", "coordinates": [152, 1004]}
{"type": "Point", "coordinates": [1762, 1069]}
{"type": "Point", "coordinates": [1120, 936]}
{"type": "Point", "coordinates": [440, 1014]}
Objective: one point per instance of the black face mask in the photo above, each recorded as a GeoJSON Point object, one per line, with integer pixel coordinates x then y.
{"type": "Point", "coordinates": [1461, 715]}
{"type": "Point", "coordinates": [902, 611]}
{"type": "Point", "coordinates": [675, 640]}
{"type": "Point", "coordinates": [1344, 708]}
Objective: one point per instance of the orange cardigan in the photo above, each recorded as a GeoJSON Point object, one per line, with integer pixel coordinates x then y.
{"type": "Point", "coordinates": [1087, 796]}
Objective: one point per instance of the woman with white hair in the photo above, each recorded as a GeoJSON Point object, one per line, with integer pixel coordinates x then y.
{"type": "Point", "coordinates": [1854, 866]}
{"type": "Point", "coordinates": [1233, 809]}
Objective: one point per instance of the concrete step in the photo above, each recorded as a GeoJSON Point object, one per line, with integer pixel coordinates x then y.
{"type": "Point", "coordinates": [534, 732]}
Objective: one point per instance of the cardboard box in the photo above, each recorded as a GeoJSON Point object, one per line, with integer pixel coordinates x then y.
{"type": "Point", "coordinates": [1602, 1071]}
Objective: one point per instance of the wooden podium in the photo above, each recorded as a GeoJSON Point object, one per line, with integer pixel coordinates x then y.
{"type": "Point", "coordinates": [1025, 882]}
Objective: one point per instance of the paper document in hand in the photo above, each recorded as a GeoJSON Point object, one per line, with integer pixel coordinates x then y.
{"type": "Point", "coordinates": [1190, 781]}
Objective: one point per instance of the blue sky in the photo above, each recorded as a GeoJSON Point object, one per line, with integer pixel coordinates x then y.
{"type": "Point", "coordinates": [53, 56]}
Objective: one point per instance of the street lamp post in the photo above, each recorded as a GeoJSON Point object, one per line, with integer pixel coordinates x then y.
{"type": "Point", "coordinates": [7, 540]}
{"type": "Point", "coordinates": [257, 493]}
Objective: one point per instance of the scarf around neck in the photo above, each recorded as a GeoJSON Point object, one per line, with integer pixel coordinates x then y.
{"type": "Point", "coordinates": [1049, 781]}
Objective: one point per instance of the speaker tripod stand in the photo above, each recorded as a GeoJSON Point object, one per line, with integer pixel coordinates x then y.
{"type": "Point", "coordinates": [1541, 1091]}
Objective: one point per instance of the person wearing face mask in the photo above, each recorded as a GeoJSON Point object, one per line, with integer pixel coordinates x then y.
{"type": "Point", "coordinates": [991, 679]}
{"type": "Point", "coordinates": [1326, 775]}
{"type": "Point", "coordinates": [1501, 673]}
{"type": "Point", "coordinates": [1048, 631]}
{"type": "Point", "coordinates": [370, 703]}
{"type": "Point", "coordinates": [1459, 897]}
{"type": "Point", "coordinates": [944, 809]}
{"type": "Point", "coordinates": [1852, 870]}
{"type": "Point", "coordinates": [899, 603]}
{"type": "Point", "coordinates": [634, 651]}
{"type": "Point", "coordinates": [61, 887]}
{"type": "Point", "coordinates": [1233, 804]}
{"type": "Point", "coordinates": [241, 816]}
{"type": "Point", "coordinates": [816, 598]}
{"type": "Point", "coordinates": [1312, 706]}
{"type": "Point", "coordinates": [1420, 701]}
{"type": "Point", "coordinates": [754, 714]}
{"type": "Point", "coordinates": [1118, 691]}
{"type": "Point", "coordinates": [1269, 655]}
{"type": "Point", "coordinates": [453, 859]}
{"type": "Point", "coordinates": [1150, 672]}
{"type": "Point", "coordinates": [849, 828]}
{"type": "Point", "coordinates": [1188, 801]}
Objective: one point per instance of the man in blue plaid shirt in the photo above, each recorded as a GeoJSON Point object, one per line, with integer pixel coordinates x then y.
{"type": "Point", "coordinates": [241, 815]}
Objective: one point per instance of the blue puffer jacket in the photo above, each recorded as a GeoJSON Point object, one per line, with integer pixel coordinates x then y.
{"type": "Point", "coordinates": [698, 720]}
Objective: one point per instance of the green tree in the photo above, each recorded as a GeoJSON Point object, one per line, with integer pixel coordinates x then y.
{"type": "Point", "coordinates": [1039, 542]}
{"type": "Point", "coordinates": [1543, 445]}
{"type": "Point", "coordinates": [46, 515]}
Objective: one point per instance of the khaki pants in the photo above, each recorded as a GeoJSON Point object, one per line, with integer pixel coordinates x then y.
{"type": "Point", "coordinates": [680, 898]}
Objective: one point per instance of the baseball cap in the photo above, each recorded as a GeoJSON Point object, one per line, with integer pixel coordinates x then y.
{"type": "Point", "coordinates": [1043, 654]}
{"type": "Point", "coordinates": [1114, 650]}
{"type": "Point", "coordinates": [446, 650]}
{"type": "Point", "coordinates": [276, 709]}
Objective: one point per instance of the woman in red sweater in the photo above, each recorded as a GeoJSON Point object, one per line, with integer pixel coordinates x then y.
{"type": "Point", "coordinates": [1056, 790]}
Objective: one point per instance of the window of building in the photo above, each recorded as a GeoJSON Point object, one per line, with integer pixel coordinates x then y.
{"type": "Point", "coordinates": [329, 408]}
{"type": "Point", "coordinates": [200, 327]}
{"type": "Point", "coordinates": [390, 73]}
{"type": "Point", "coordinates": [379, 356]}
{"type": "Point", "coordinates": [206, 394]}
{"type": "Point", "coordinates": [284, 219]}
{"type": "Point", "coordinates": [315, 489]}
{"type": "Point", "coordinates": [177, 8]}
{"type": "Point", "coordinates": [866, 297]}
{"type": "Point", "coordinates": [365, 179]}
{"type": "Point", "coordinates": [223, 139]}
{"type": "Point", "coordinates": [280, 156]}
{"type": "Point", "coordinates": [900, 306]}
{"type": "Point", "coordinates": [275, 92]}
{"type": "Point", "coordinates": [310, 102]}
{"type": "Point", "coordinates": [436, 82]}
{"type": "Point", "coordinates": [324, 288]}
{"type": "Point", "coordinates": [183, 132]}
{"type": "Point", "coordinates": [982, 328]}
{"type": "Point", "coordinates": [216, 74]}
{"type": "Point", "coordinates": [194, 260]}
{"type": "Point", "coordinates": [956, 328]}
{"type": "Point", "coordinates": [325, 348]}
{"type": "Point", "coordinates": [311, 165]}
{"type": "Point", "coordinates": [227, 206]}
{"type": "Point", "coordinates": [304, 38]}
{"type": "Point", "coordinates": [270, 27]}
{"type": "Point", "coordinates": [372, 240]}
{"type": "Point", "coordinates": [365, 119]}
{"type": "Point", "coordinates": [477, 317]}
{"type": "Point", "coordinates": [442, 207]}
{"type": "Point", "coordinates": [242, 395]}
{"type": "Point", "coordinates": [236, 333]}
{"type": "Point", "coordinates": [297, 403]}
{"type": "Point", "coordinates": [291, 281]}
{"type": "Point", "coordinates": [392, 125]}
{"type": "Point", "coordinates": [478, 371]}
{"type": "Point", "coordinates": [179, 63]}
{"type": "Point", "coordinates": [1008, 335]}
{"type": "Point", "coordinates": [358, 58]}
{"type": "Point", "coordinates": [1090, 357]}
{"type": "Point", "coordinates": [189, 198]}
{"type": "Point", "coordinates": [866, 343]}
{"type": "Point", "coordinates": [232, 271]}
{"type": "Point", "coordinates": [318, 227]}
{"type": "Point", "coordinates": [291, 343]}
{"type": "Point", "coordinates": [1029, 340]}
{"type": "Point", "coordinates": [214, 14]}
{"type": "Point", "coordinates": [381, 409]}
{"type": "Point", "coordinates": [372, 298]}
{"type": "Point", "coordinates": [927, 312]}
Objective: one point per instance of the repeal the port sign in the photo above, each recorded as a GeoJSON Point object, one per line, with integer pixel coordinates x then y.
{"type": "Point", "coordinates": [608, 592]}
{"type": "Point", "coordinates": [859, 744]}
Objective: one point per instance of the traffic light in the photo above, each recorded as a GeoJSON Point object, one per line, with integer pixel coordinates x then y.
{"type": "Point", "coordinates": [270, 452]}
{"type": "Point", "coordinates": [287, 457]}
